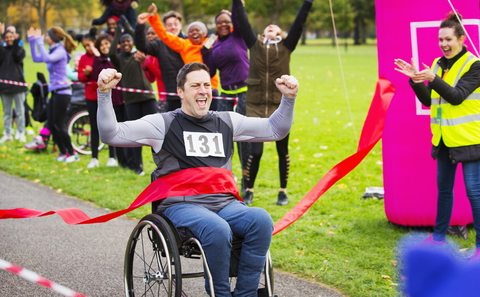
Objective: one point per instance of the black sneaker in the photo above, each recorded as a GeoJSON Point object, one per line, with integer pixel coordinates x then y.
{"type": "Point", "coordinates": [139, 171]}
{"type": "Point", "coordinates": [248, 197]}
{"type": "Point", "coordinates": [282, 198]}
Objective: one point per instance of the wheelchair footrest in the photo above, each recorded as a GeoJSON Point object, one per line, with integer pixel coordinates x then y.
{"type": "Point", "coordinates": [263, 292]}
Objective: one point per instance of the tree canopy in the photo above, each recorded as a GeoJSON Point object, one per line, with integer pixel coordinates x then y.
{"type": "Point", "coordinates": [356, 15]}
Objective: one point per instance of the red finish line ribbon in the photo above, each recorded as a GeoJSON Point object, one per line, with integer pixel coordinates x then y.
{"type": "Point", "coordinates": [371, 133]}
{"type": "Point", "coordinates": [193, 181]}
{"type": "Point", "coordinates": [207, 180]}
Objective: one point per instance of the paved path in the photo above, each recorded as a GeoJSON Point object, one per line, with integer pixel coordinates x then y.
{"type": "Point", "coordinates": [85, 258]}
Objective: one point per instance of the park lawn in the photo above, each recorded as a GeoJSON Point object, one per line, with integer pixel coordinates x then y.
{"type": "Point", "coordinates": [343, 241]}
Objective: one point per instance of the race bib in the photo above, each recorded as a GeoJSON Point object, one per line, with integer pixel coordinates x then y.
{"type": "Point", "coordinates": [203, 144]}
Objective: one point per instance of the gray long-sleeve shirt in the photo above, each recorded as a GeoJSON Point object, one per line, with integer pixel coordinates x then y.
{"type": "Point", "coordinates": [180, 141]}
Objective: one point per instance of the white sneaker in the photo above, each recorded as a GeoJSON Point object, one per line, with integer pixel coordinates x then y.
{"type": "Point", "coordinates": [93, 163]}
{"type": "Point", "coordinates": [61, 157]}
{"type": "Point", "coordinates": [72, 158]}
{"type": "Point", "coordinates": [29, 131]}
{"type": "Point", "coordinates": [17, 135]}
{"type": "Point", "coordinates": [22, 137]}
{"type": "Point", "coordinates": [6, 137]}
{"type": "Point", "coordinates": [36, 143]}
{"type": "Point", "coordinates": [112, 162]}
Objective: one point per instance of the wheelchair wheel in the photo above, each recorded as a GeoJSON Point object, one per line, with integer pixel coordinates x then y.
{"type": "Point", "coordinates": [267, 276]}
{"type": "Point", "coordinates": [79, 130]}
{"type": "Point", "coordinates": [152, 260]}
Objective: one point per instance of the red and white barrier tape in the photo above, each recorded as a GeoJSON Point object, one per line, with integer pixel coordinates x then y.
{"type": "Point", "coordinates": [17, 83]}
{"type": "Point", "coordinates": [37, 279]}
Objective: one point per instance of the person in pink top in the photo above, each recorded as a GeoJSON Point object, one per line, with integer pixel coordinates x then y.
{"type": "Point", "coordinates": [85, 67]}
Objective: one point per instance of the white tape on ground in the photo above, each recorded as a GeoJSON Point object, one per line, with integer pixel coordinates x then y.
{"type": "Point", "coordinates": [37, 279]}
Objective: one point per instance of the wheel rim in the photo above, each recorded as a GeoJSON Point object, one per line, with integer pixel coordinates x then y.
{"type": "Point", "coordinates": [79, 130]}
{"type": "Point", "coordinates": [148, 263]}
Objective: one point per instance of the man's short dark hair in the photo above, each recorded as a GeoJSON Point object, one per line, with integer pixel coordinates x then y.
{"type": "Point", "coordinates": [171, 14]}
{"type": "Point", "coordinates": [190, 67]}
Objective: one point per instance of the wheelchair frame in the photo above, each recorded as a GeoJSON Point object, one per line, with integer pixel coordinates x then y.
{"type": "Point", "coordinates": [154, 268]}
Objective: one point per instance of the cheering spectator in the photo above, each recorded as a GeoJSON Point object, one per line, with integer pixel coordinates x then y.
{"type": "Point", "coordinates": [229, 54]}
{"type": "Point", "coordinates": [170, 62]}
{"type": "Point", "coordinates": [137, 105]}
{"type": "Point", "coordinates": [189, 48]}
{"type": "Point", "coordinates": [150, 65]}
{"type": "Point", "coordinates": [60, 45]}
{"type": "Point", "coordinates": [453, 86]}
{"type": "Point", "coordinates": [101, 61]}
{"type": "Point", "coordinates": [11, 68]}
{"type": "Point", "coordinates": [269, 58]}
{"type": "Point", "coordinates": [84, 75]}
{"type": "Point", "coordinates": [118, 8]}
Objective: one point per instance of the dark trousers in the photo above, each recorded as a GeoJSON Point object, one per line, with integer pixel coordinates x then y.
{"type": "Point", "coordinates": [445, 182]}
{"type": "Point", "coordinates": [124, 155]}
{"type": "Point", "coordinates": [256, 154]}
{"type": "Point", "coordinates": [56, 113]}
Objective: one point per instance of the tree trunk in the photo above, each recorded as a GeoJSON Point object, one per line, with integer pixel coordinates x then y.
{"type": "Point", "coordinates": [177, 5]}
{"type": "Point", "coordinates": [357, 31]}
{"type": "Point", "coordinates": [275, 15]}
{"type": "Point", "coordinates": [364, 32]}
{"type": "Point", "coordinates": [43, 24]}
{"type": "Point", "coordinates": [23, 25]}
{"type": "Point", "coordinates": [304, 36]}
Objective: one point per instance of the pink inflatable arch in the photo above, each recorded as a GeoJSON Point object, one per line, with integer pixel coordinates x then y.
{"type": "Point", "coordinates": [407, 29]}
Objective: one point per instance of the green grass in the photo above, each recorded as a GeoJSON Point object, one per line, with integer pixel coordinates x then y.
{"type": "Point", "coordinates": [343, 241]}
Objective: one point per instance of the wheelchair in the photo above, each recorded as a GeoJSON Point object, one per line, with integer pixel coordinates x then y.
{"type": "Point", "coordinates": [153, 265]}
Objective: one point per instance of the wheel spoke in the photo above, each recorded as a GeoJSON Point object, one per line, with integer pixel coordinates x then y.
{"type": "Point", "coordinates": [150, 261]}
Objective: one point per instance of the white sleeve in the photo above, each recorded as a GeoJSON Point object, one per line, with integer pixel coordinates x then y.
{"type": "Point", "coordinates": [148, 131]}
{"type": "Point", "coordinates": [274, 128]}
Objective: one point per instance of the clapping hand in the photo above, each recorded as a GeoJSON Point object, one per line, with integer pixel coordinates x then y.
{"type": "Point", "coordinates": [411, 71]}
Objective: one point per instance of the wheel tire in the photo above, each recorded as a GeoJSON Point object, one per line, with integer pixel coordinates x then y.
{"type": "Point", "coordinates": [152, 260]}
{"type": "Point", "coordinates": [79, 132]}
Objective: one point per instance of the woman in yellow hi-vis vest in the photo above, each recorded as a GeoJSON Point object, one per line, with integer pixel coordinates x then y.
{"type": "Point", "coordinates": [453, 94]}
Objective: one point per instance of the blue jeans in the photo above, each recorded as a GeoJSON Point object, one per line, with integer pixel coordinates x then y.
{"type": "Point", "coordinates": [214, 230]}
{"type": "Point", "coordinates": [7, 100]}
{"type": "Point", "coordinates": [445, 181]}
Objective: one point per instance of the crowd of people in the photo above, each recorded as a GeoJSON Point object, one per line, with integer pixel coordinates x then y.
{"type": "Point", "coordinates": [147, 54]}
{"type": "Point", "coordinates": [133, 56]}
{"type": "Point", "coordinates": [253, 72]}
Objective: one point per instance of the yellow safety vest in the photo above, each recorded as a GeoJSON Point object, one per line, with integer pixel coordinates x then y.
{"type": "Point", "coordinates": [458, 125]}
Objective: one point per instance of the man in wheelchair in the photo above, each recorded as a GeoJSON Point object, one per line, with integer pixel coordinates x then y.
{"type": "Point", "coordinates": [192, 137]}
